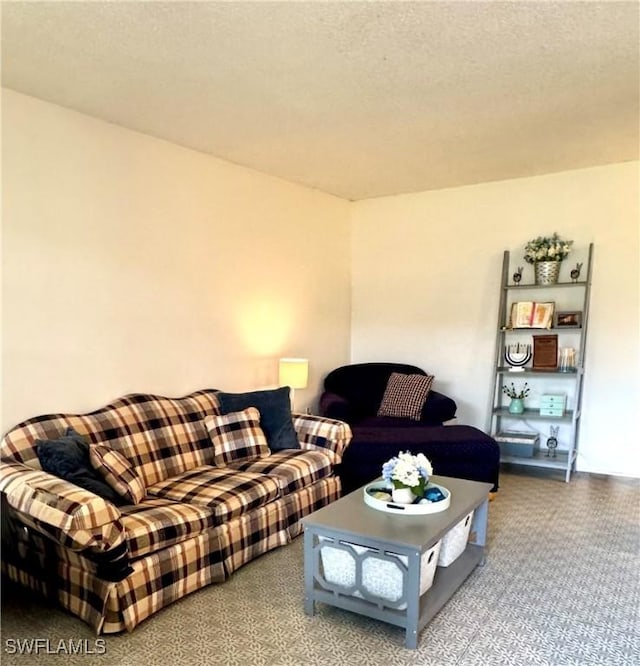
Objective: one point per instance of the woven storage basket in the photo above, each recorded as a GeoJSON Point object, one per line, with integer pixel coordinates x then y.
{"type": "Point", "coordinates": [380, 578]}
{"type": "Point", "coordinates": [455, 541]}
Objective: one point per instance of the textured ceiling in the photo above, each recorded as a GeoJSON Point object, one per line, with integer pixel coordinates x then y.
{"type": "Point", "coordinates": [359, 99]}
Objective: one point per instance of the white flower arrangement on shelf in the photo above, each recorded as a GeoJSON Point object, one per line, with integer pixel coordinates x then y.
{"type": "Point", "coordinates": [408, 471]}
{"type": "Point", "coordinates": [547, 248]}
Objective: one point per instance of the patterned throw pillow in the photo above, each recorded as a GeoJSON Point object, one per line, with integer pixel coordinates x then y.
{"type": "Point", "coordinates": [237, 437]}
{"type": "Point", "coordinates": [405, 395]}
{"type": "Point", "coordinates": [118, 472]}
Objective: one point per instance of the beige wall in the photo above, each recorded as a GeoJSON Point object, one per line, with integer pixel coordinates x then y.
{"type": "Point", "coordinates": [426, 271]}
{"type": "Point", "coordinates": [131, 264]}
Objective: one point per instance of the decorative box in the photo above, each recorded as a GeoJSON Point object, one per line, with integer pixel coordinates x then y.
{"type": "Point", "coordinates": [455, 541]}
{"type": "Point", "coordinates": [552, 404]}
{"type": "Point", "coordinates": [518, 449]}
{"type": "Point", "coordinates": [553, 400]}
{"type": "Point", "coordinates": [518, 444]}
{"type": "Point", "coordinates": [551, 411]}
{"type": "Point", "coordinates": [381, 574]}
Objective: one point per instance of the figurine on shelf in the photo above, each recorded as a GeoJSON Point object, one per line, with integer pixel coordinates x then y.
{"type": "Point", "coordinates": [575, 272]}
{"type": "Point", "coordinates": [552, 442]}
{"type": "Point", "coordinates": [517, 276]}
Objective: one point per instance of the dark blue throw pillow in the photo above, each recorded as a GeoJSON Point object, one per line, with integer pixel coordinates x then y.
{"type": "Point", "coordinates": [275, 414]}
{"type": "Point", "coordinates": [68, 458]}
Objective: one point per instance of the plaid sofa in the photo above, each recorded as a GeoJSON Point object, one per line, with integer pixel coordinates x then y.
{"type": "Point", "coordinates": [114, 566]}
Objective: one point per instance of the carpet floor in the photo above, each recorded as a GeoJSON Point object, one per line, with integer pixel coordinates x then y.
{"type": "Point", "coordinates": [560, 587]}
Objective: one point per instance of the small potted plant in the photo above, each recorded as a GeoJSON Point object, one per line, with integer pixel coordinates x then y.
{"type": "Point", "coordinates": [546, 253]}
{"type": "Point", "coordinates": [516, 406]}
{"type": "Point", "coordinates": [409, 475]}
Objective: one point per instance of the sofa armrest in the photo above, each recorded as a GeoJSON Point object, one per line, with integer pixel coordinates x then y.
{"type": "Point", "coordinates": [438, 408]}
{"type": "Point", "coordinates": [322, 434]}
{"type": "Point", "coordinates": [73, 517]}
{"type": "Point", "coordinates": [334, 406]}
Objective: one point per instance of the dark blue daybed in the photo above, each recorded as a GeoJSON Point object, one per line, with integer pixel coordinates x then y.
{"type": "Point", "coordinates": [353, 393]}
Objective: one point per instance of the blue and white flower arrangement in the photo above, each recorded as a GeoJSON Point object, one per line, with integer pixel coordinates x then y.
{"type": "Point", "coordinates": [408, 471]}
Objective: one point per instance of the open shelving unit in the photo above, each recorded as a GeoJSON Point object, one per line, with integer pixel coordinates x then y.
{"type": "Point", "coordinates": [574, 295]}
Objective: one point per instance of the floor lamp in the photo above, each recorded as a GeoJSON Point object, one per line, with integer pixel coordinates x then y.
{"type": "Point", "coordinates": [294, 373]}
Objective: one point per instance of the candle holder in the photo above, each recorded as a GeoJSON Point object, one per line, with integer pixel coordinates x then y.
{"type": "Point", "coordinates": [568, 359]}
{"type": "Point", "coordinates": [517, 356]}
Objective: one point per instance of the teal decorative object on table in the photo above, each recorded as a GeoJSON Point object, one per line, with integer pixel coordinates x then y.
{"type": "Point", "coordinates": [433, 494]}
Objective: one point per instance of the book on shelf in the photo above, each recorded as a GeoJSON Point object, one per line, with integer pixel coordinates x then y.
{"type": "Point", "coordinates": [517, 437]}
{"type": "Point", "coordinates": [530, 314]}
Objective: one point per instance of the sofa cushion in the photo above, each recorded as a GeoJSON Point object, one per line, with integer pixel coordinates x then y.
{"type": "Point", "coordinates": [384, 422]}
{"type": "Point", "coordinates": [237, 437]}
{"type": "Point", "coordinates": [227, 492]}
{"type": "Point", "coordinates": [157, 523]}
{"type": "Point", "coordinates": [275, 414]}
{"type": "Point", "coordinates": [68, 458]}
{"type": "Point", "coordinates": [463, 452]}
{"type": "Point", "coordinates": [292, 469]}
{"type": "Point", "coordinates": [118, 472]}
{"type": "Point", "coordinates": [405, 395]}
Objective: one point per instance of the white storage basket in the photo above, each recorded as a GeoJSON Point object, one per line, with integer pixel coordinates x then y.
{"type": "Point", "coordinates": [381, 578]}
{"type": "Point", "coordinates": [455, 541]}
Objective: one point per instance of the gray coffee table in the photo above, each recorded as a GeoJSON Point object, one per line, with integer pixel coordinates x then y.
{"type": "Point", "coordinates": [349, 521]}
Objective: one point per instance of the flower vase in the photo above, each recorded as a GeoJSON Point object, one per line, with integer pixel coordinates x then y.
{"type": "Point", "coordinates": [516, 406]}
{"type": "Point", "coordinates": [547, 272]}
{"type": "Point", "coordinates": [402, 495]}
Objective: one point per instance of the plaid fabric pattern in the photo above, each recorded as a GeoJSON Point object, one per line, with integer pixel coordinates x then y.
{"type": "Point", "coordinates": [57, 573]}
{"type": "Point", "coordinates": [34, 548]}
{"type": "Point", "coordinates": [64, 534]}
{"type": "Point", "coordinates": [157, 523]}
{"type": "Point", "coordinates": [310, 499]}
{"type": "Point", "coordinates": [237, 437]}
{"type": "Point", "coordinates": [253, 534]}
{"type": "Point", "coordinates": [292, 468]}
{"type": "Point", "coordinates": [160, 436]}
{"type": "Point", "coordinates": [326, 435]}
{"type": "Point", "coordinates": [227, 492]}
{"type": "Point", "coordinates": [61, 510]}
{"type": "Point", "coordinates": [117, 472]}
{"type": "Point", "coordinates": [157, 579]}
{"type": "Point", "coordinates": [405, 395]}
{"type": "Point", "coordinates": [164, 577]}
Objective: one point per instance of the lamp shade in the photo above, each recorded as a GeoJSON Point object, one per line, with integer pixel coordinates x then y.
{"type": "Point", "coordinates": [293, 372]}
